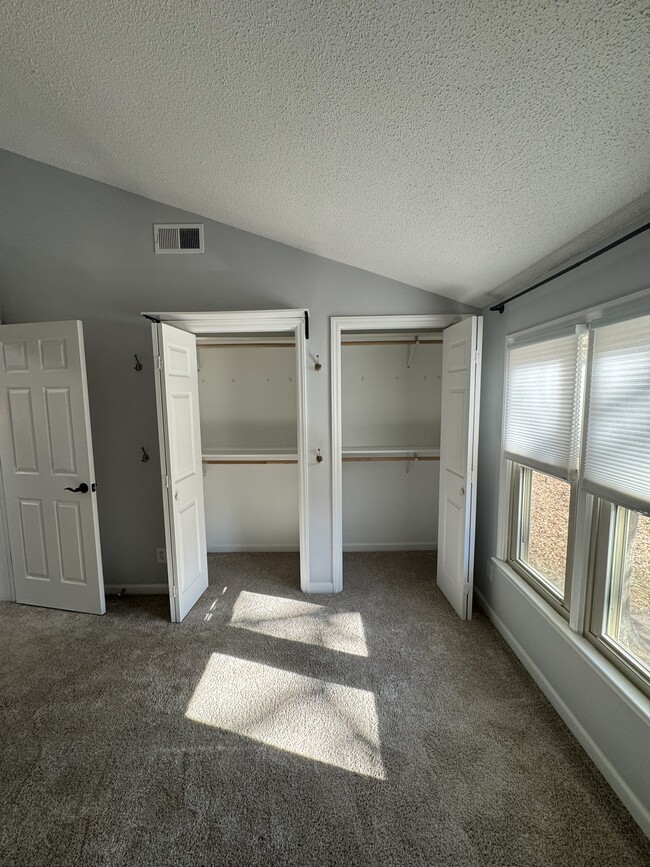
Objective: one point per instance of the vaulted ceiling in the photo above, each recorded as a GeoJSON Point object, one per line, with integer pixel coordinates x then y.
{"type": "Point", "coordinates": [451, 146]}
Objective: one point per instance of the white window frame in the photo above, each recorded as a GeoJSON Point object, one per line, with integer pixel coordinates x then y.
{"type": "Point", "coordinates": [582, 551]}
{"type": "Point", "coordinates": [539, 581]}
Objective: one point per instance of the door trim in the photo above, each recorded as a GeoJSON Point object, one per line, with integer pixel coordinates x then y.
{"type": "Point", "coordinates": [7, 585]}
{"type": "Point", "coordinates": [338, 326]}
{"type": "Point", "coordinates": [249, 322]}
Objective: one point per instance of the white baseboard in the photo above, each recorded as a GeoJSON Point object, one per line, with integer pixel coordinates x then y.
{"type": "Point", "coordinates": [252, 549]}
{"type": "Point", "coordinates": [640, 813]}
{"type": "Point", "coordinates": [321, 587]}
{"type": "Point", "coordinates": [389, 546]}
{"type": "Point", "coordinates": [137, 589]}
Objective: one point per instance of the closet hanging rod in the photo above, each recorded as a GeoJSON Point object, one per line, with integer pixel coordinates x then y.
{"type": "Point", "coordinates": [409, 458]}
{"type": "Point", "coordinates": [245, 345]}
{"type": "Point", "coordinates": [269, 461]}
{"type": "Point", "coordinates": [386, 342]}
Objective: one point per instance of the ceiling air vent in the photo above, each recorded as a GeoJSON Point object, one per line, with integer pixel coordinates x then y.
{"type": "Point", "coordinates": [178, 238]}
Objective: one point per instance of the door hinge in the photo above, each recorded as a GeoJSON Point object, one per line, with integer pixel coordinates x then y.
{"type": "Point", "coordinates": [477, 356]}
{"type": "Point", "coordinates": [166, 481]}
{"type": "Point", "coordinates": [159, 362]}
{"type": "Point", "coordinates": [174, 591]}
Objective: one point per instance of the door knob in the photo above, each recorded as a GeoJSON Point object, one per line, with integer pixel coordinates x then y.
{"type": "Point", "coordinates": [462, 492]}
{"type": "Point", "coordinates": [82, 489]}
{"type": "Point", "coordinates": [177, 496]}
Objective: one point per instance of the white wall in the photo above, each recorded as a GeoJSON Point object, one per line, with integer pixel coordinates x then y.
{"type": "Point", "coordinates": [248, 400]}
{"type": "Point", "coordinates": [251, 508]}
{"type": "Point", "coordinates": [386, 508]}
{"type": "Point", "coordinates": [72, 248]}
{"type": "Point", "coordinates": [616, 735]}
{"type": "Point", "coordinates": [248, 397]}
{"type": "Point", "coordinates": [385, 403]}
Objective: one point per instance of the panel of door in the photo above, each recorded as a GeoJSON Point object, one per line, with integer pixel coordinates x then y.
{"type": "Point", "coordinates": [47, 467]}
{"type": "Point", "coordinates": [461, 374]}
{"type": "Point", "coordinates": [180, 427]}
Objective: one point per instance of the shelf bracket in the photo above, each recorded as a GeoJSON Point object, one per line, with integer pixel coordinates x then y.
{"type": "Point", "coordinates": [412, 350]}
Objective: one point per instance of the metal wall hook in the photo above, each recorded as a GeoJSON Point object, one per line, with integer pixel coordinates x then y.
{"type": "Point", "coordinates": [145, 456]}
{"type": "Point", "coordinates": [138, 363]}
{"type": "Point", "coordinates": [319, 457]}
{"type": "Point", "coordinates": [318, 366]}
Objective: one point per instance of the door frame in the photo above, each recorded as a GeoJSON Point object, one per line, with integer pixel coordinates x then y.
{"type": "Point", "coordinates": [248, 322]}
{"type": "Point", "coordinates": [7, 584]}
{"type": "Point", "coordinates": [338, 327]}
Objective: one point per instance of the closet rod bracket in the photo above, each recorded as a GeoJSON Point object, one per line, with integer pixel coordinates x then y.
{"type": "Point", "coordinates": [412, 350]}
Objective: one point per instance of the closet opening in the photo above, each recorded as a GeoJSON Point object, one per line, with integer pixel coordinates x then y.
{"type": "Point", "coordinates": [232, 419]}
{"type": "Point", "coordinates": [405, 441]}
{"type": "Point", "coordinates": [249, 442]}
{"type": "Point", "coordinates": [390, 423]}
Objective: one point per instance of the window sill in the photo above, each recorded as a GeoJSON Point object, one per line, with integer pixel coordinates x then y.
{"type": "Point", "coordinates": [619, 684]}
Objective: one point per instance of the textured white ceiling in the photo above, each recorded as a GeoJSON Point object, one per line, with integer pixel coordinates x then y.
{"type": "Point", "coordinates": [450, 145]}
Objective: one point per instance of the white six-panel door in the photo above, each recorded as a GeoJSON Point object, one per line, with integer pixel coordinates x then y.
{"type": "Point", "coordinates": [461, 377]}
{"type": "Point", "coordinates": [45, 451]}
{"type": "Point", "coordinates": [180, 441]}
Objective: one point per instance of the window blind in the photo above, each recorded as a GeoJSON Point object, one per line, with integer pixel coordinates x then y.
{"type": "Point", "coordinates": [617, 449]}
{"type": "Point", "coordinates": [543, 404]}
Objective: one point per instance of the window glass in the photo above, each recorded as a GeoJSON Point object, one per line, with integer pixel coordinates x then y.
{"type": "Point", "coordinates": [628, 606]}
{"type": "Point", "coordinates": [545, 527]}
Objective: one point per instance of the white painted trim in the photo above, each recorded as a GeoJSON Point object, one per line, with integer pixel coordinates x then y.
{"type": "Point", "coordinates": [233, 322]}
{"type": "Point", "coordinates": [251, 322]}
{"type": "Point", "coordinates": [303, 455]}
{"type": "Point", "coordinates": [621, 685]}
{"type": "Point", "coordinates": [390, 546]}
{"type": "Point", "coordinates": [253, 549]}
{"type": "Point", "coordinates": [7, 586]}
{"type": "Point", "coordinates": [472, 451]}
{"type": "Point", "coordinates": [166, 492]}
{"type": "Point", "coordinates": [339, 325]}
{"type": "Point", "coordinates": [321, 587]}
{"type": "Point", "coordinates": [137, 589]}
{"type": "Point", "coordinates": [336, 329]}
{"type": "Point", "coordinates": [639, 812]}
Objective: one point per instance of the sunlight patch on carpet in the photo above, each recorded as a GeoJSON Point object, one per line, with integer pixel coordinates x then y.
{"type": "Point", "coordinates": [322, 721]}
{"type": "Point", "coordinates": [296, 620]}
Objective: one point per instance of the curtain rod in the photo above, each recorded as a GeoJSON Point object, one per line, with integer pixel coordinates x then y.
{"type": "Point", "coordinates": [500, 307]}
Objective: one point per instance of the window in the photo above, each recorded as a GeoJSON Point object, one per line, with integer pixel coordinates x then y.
{"type": "Point", "coordinates": [577, 439]}
{"type": "Point", "coordinates": [617, 472]}
{"type": "Point", "coordinates": [619, 621]}
{"type": "Point", "coordinates": [542, 516]}
{"type": "Point", "coordinates": [542, 439]}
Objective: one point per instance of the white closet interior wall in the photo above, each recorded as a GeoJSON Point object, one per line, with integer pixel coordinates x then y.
{"type": "Point", "coordinates": [388, 405]}
{"type": "Point", "coordinates": [248, 408]}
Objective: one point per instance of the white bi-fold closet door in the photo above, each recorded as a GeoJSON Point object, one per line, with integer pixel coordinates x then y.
{"type": "Point", "coordinates": [196, 469]}
{"type": "Point", "coordinates": [405, 397]}
{"type": "Point", "coordinates": [47, 467]}
{"type": "Point", "coordinates": [180, 442]}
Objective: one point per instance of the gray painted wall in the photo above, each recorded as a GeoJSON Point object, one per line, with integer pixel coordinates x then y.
{"type": "Point", "coordinates": [72, 248]}
{"type": "Point", "coordinates": [621, 734]}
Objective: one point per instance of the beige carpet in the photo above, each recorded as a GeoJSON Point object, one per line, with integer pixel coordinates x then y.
{"type": "Point", "coordinates": [271, 728]}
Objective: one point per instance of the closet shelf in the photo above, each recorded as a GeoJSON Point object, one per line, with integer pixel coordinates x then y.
{"type": "Point", "coordinates": [391, 453]}
{"type": "Point", "coordinates": [250, 456]}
